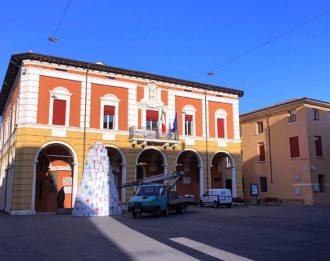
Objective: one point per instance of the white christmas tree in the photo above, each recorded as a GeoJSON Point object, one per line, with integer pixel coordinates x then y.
{"type": "Point", "coordinates": [97, 194]}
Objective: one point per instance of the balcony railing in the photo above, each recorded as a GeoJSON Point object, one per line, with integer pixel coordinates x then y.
{"type": "Point", "coordinates": [153, 135]}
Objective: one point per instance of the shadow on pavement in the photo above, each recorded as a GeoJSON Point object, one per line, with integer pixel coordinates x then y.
{"type": "Point", "coordinates": [55, 237]}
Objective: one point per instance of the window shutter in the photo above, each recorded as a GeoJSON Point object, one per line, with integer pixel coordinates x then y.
{"type": "Point", "coordinates": [109, 110]}
{"type": "Point", "coordinates": [152, 115]}
{"type": "Point", "coordinates": [318, 146]}
{"type": "Point", "coordinates": [188, 117]}
{"type": "Point", "coordinates": [59, 109]}
{"type": "Point", "coordinates": [221, 128]}
{"type": "Point", "coordinates": [294, 147]}
{"type": "Point", "coordinates": [261, 152]}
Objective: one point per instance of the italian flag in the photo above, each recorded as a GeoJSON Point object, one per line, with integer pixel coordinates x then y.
{"type": "Point", "coordinates": [162, 119]}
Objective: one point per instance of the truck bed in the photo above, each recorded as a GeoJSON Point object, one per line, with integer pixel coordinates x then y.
{"type": "Point", "coordinates": [177, 201]}
{"type": "Point", "coordinates": [174, 199]}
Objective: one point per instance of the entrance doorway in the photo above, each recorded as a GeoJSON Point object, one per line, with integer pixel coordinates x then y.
{"type": "Point", "coordinates": [189, 162]}
{"type": "Point", "coordinates": [54, 178]}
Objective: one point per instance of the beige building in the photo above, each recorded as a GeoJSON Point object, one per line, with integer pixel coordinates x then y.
{"type": "Point", "coordinates": [286, 150]}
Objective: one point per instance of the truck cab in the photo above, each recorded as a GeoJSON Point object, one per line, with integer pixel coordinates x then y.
{"type": "Point", "coordinates": [150, 198]}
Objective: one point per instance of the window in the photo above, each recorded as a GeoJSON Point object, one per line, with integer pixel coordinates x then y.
{"type": "Point", "coordinates": [263, 184]}
{"type": "Point", "coordinates": [260, 127]}
{"type": "Point", "coordinates": [108, 117]}
{"type": "Point", "coordinates": [59, 112]}
{"type": "Point", "coordinates": [188, 125]}
{"type": "Point", "coordinates": [316, 115]}
{"type": "Point", "coordinates": [318, 146]}
{"type": "Point", "coordinates": [221, 128]}
{"type": "Point", "coordinates": [292, 116]}
{"type": "Point", "coordinates": [220, 124]}
{"type": "Point", "coordinates": [109, 112]}
{"type": "Point", "coordinates": [189, 120]}
{"type": "Point", "coordinates": [321, 183]}
{"type": "Point", "coordinates": [59, 106]}
{"type": "Point", "coordinates": [152, 120]}
{"type": "Point", "coordinates": [294, 147]}
{"type": "Point", "coordinates": [261, 151]}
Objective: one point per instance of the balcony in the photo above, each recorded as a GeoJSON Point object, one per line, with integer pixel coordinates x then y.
{"type": "Point", "coordinates": [155, 136]}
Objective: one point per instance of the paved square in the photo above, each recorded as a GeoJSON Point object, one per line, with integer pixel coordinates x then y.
{"type": "Point", "coordinates": [256, 232]}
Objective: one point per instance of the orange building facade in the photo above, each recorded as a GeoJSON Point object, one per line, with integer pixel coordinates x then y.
{"type": "Point", "coordinates": [286, 150]}
{"type": "Point", "coordinates": [54, 109]}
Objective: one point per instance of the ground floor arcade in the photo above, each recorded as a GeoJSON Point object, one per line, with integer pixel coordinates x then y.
{"type": "Point", "coordinates": [46, 176]}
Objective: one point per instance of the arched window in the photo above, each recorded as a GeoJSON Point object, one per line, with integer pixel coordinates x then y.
{"type": "Point", "coordinates": [59, 106]}
{"type": "Point", "coordinates": [189, 120]}
{"type": "Point", "coordinates": [109, 112]}
{"type": "Point", "coordinates": [221, 124]}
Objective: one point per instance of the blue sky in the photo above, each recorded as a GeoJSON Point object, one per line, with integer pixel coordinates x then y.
{"type": "Point", "coordinates": [185, 39]}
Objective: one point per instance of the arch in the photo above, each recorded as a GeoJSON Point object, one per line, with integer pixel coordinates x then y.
{"type": "Point", "coordinates": [60, 91]}
{"type": "Point", "coordinates": [110, 97]}
{"type": "Point", "coordinates": [123, 169]}
{"type": "Point", "coordinates": [200, 165]}
{"type": "Point", "coordinates": [189, 108]}
{"type": "Point", "coordinates": [200, 159]}
{"type": "Point", "coordinates": [221, 112]}
{"type": "Point", "coordinates": [161, 153]}
{"type": "Point", "coordinates": [163, 156]}
{"type": "Point", "coordinates": [233, 167]}
{"type": "Point", "coordinates": [75, 170]}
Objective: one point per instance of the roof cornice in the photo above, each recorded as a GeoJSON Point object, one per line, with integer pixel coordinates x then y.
{"type": "Point", "coordinates": [17, 59]}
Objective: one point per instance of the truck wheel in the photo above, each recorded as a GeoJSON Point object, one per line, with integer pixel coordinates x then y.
{"type": "Point", "coordinates": [134, 214]}
{"type": "Point", "coordinates": [201, 204]}
{"type": "Point", "coordinates": [181, 210]}
{"type": "Point", "coordinates": [215, 204]}
{"type": "Point", "coordinates": [165, 212]}
{"type": "Point", "coordinates": [228, 205]}
{"type": "Point", "coordinates": [157, 212]}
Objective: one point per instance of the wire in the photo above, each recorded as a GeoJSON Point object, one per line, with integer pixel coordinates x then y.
{"type": "Point", "coordinates": [53, 38]}
{"type": "Point", "coordinates": [211, 72]}
{"type": "Point", "coordinates": [62, 17]}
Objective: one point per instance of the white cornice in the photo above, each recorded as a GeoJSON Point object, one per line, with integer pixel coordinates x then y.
{"type": "Point", "coordinates": [145, 80]}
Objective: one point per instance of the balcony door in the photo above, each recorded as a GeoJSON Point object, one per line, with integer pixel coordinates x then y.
{"type": "Point", "coordinates": [152, 120]}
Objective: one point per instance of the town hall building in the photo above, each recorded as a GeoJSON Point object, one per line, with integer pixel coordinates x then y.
{"type": "Point", "coordinates": [54, 109]}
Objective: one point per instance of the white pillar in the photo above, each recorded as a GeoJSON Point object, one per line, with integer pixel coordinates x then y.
{"type": "Point", "coordinates": [201, 181]}
{"type": "Point", "coordinates": [123, 181]}
{"type": "Point", "coordinates": [233, 182]}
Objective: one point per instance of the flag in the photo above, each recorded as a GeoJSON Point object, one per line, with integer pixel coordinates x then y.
{"type": "Point", "coordinates": [162, 119]}
{"type": "Point", "coordinates": [175, 123]}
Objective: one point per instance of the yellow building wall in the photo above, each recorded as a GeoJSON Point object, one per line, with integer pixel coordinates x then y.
{"type": "Point", "coordinates": [30, 140]}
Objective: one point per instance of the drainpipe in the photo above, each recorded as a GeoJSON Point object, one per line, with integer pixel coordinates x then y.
{"type": "Point", "coordinates": [270, 150]}
{"type": "Point", "coordinates": [206, 144]}
{"type": "Point", "coordinates": [84, 137]}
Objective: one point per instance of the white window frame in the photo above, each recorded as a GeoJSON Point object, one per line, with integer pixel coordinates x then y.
{"type": "Point", "coordinates": [220, 114]}
{"type": "Point", "coordinates": [290, 113]}
{"type": "Point", "coordinates": [316, 112]}
{"type": "Point", "coordinates": [189, 110]}
{"type": "Point", "coordinates": [59, 93]}
{"type": "Point", "coordinates": [109, 100]}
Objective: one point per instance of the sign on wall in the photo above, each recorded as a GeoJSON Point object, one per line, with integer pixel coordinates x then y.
{"type": "Point", "coordinates": [254, 189]}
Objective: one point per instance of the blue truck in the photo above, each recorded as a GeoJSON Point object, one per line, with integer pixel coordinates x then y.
{"type": "Point", "coordinates": [156, 198]}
